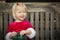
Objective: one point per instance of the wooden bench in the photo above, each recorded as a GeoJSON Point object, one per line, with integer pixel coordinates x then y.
{"type": "Point", "coordinates": [43, 21]}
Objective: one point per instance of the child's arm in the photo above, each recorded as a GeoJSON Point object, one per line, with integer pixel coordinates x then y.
{"type": "Point", "coordinates": [7, 36]}
{"type": "Point", "coordinates": [30, 32]}
{"type": "Point", "coordinates": [10, 35]}
{"type": "Point", "coordinates": [10, 32]}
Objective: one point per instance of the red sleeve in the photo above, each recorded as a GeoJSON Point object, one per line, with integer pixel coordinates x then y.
{"type": "Point", "coordinates": [29, 25]}
{"type": "Point", "coordinates": [10, 27]}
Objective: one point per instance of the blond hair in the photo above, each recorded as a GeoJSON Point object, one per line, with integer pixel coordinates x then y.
{"type": "Point", "coordinates": [14, 8]}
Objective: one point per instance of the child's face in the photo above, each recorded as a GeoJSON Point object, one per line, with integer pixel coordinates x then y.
{"type": "Point", "coordinates": [20, 13]}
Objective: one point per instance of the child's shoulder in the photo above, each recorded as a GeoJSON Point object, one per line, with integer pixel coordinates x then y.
{"type": "Point", "coordinates": [26, 21]}
{"type": "Point", "coordinates": [11, 23]}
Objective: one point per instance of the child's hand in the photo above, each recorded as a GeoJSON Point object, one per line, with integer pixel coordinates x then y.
{"type": "Point", "coordinates": [28, 32]}
{"type": "Point", "coordinates": [12, 34]}
{"type": "Point", "coordinates": [22, 32]}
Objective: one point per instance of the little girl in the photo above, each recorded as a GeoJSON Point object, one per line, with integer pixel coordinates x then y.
{"type": "Point", "coordinates": [20, 25]}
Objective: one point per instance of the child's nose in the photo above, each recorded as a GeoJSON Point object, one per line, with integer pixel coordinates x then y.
{"type": "Point", "coordinates": [22, 13]}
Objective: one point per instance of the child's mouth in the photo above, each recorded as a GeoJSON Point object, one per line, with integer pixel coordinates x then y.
{"type": "Point", "coordinates": [21, 16]}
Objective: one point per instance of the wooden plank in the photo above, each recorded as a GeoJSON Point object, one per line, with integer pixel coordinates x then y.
{"type": "Point", "coordinates": [28, 16]}
{"type": "Point", "coordinates": [39, 28]}
{"type": "Point", "coordinates": [57, 20]}
{"type": "Point", "coordinates": [42, 25]}
{"type": "Point", "coordinates": [5, 22]}
{"type": "Point", "coordinates": [32, 20]}
{"type": "Point", "coordinates": [37, 10]}
{"type": "Point", "coordinates": [10, 17]}
{"type": "Point", "coordinates": [37, 25]}
{"type": "Point", "coordinates": [1, 27]}
{"type": "Point", "coordinates": [56, 27]}
{"type": "Point", "coordinates": [52, 25]}
{"type": "Point", "coordinates": [0, 21]}
{"type": "Point", "coordinates": [47, 25]}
